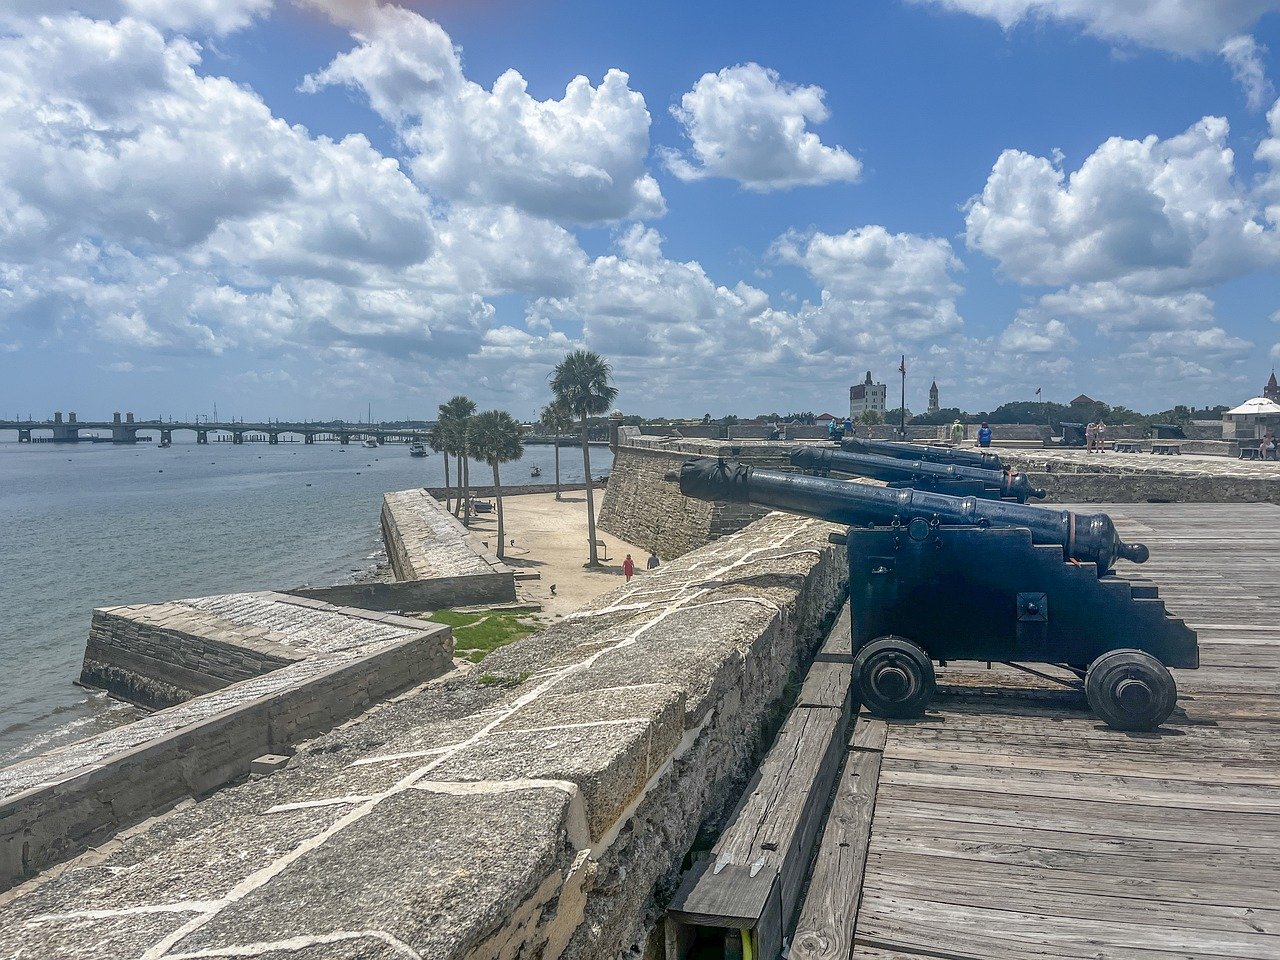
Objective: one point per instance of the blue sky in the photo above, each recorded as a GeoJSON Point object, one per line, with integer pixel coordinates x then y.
{"type": "Point", "coordinates": [297, 208]}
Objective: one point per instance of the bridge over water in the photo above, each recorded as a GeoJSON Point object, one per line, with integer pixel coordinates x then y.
{"type": "Point", "coordinates": [125, 429]}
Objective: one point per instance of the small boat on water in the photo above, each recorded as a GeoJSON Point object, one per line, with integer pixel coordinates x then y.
{"type": "Point", "coordinates": [535, 471]}
{"type": "Point", "coordinates": [417, 450]}
{"type": "Point", "coordinates": [165, 444]}
{"type": "Point", "coordinates": [370, 444]}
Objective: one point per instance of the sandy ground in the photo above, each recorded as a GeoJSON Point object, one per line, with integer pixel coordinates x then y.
{"type": "Point", "coordinates": [551, 540]}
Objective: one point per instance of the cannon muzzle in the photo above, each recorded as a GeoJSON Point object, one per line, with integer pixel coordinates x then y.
{"type": "Point", "coordinates": [1084, 537]}
{"type": "Point", "coordinates": [922, 474]}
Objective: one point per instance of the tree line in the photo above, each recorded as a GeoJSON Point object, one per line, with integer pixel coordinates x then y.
{"type": "Point", "coordinates": [581, 388]}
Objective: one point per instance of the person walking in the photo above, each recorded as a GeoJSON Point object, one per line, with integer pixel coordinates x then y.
{"type": "Point", "coordinates": [957, 432]}
{"type": "Point", "coordinates": [653, 561]}
{"type": "Point", "coordinates": [984, 435]}
{"type": "Point", "coordinates": [628, 568]}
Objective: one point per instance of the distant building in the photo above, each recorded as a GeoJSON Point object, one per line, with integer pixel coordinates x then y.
{"type": "Point", "coordinates": [1084, 400]}
{"type": "Point", "coordinates": [867, 396]}
{"type": "Point", "coordinates": [934, 406]}
{"type": "Point", "coordinates": [1272, 390]}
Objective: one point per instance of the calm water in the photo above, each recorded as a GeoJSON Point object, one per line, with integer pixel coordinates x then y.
{"type": "Point", "coordinates": [93, 524]}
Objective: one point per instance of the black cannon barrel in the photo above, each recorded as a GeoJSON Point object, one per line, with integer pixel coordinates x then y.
{"type": "Point", "coordinates": [823, 460]}
{"type": "Point", "coordinates": [1086, 537]}
{"type": "Point", "coordinates": [922, 451]}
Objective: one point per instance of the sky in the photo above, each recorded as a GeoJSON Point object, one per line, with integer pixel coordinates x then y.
{"type": "Point", "coordinates": [300, 208]}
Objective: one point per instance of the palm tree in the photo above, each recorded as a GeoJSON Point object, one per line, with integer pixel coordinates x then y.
{"type": "Point", "coordinates": [557, 419]}
{"type": "Point", "coordinates": [582, 384]}
{"type": "Point", "coordinates": [495, 438]}
{"type": "Point", "coordinates": [438, 441]}
{"type": "Point", "coordinates": [455, 413]}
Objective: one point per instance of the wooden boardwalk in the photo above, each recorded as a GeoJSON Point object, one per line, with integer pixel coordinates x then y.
{"type": "Point", "coordinates": [1011, 829]}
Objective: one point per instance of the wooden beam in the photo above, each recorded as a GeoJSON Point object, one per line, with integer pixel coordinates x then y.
{"type": "Point", "coordinates": [828, 918]}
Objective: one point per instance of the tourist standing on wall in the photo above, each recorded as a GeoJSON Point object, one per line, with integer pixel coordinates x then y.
{"type": "Point", "coordinates": [628, 568]}
{"type": "Point", "coordinates": [984, 435]}
{"type": "Point", "coordinates": [1100, 434]}
{"type": "Point", "coordinates": [957, 432]}
{"type": "Point", "coordinates": [1090, 436]}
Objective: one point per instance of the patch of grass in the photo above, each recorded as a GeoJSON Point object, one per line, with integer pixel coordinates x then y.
{"type": "Point", "coordinates": [475, 635]}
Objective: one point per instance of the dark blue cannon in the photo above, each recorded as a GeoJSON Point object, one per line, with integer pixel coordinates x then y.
{"type": "Point", "coordinates": [902, 450]}
{"type": "Point", "coordinates": [936, 577]}
{"type": "Point", "coordinates": [955, 479]}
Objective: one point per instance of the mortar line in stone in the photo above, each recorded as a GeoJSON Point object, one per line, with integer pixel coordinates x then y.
{"type": "Point", "coordinates": [621, 721]}
{"type": "Point", "coordinates": [265, 874]}
{"type": "Point", "coordinates": [389, 757]}
{"type": "Point", "coordinates": [309, 804]}
{"type": "Point", "coordinates": [298, 943]}
{"type": "Point", "coordinates": [185, 906]}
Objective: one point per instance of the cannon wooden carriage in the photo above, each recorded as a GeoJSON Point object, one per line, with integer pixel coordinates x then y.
{"type": "Point", "coordinates": [934, 577]}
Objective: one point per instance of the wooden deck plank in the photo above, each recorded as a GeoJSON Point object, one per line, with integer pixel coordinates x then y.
{"type": "Point", "coordinates": [1010, 828]}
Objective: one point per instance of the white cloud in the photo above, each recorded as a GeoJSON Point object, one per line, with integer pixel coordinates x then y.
{"type": "Point", "coordinates": [162, 210]}
{"type": "Point", "coordinates": [884, 286]}
{"type": "Point", "coordinates": [578, 159]}
{"type": "Point", "coordinates": [1268, 154]}
{"type": "Point", "coordinates": [1154, 215]}
{"type": "Point", "coordinates": [1178, 26]}
{"type": "Point", "coordinates": [1115, 311]}
{"type": "Point", "coordinates": [747, 124]}
{"type": "Point", "coordinates": [1029, 335]}
{"type": "Point", "coordinates": [185, 16]}
{"type": "Point", "coordinates": [1244, 55]}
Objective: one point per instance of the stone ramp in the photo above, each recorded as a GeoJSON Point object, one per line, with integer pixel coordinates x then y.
{"type": "Point", "coordinates": [529, 809]}
{"type": "Point", "coordinates": [1006, 829]}
{"type": "Point", "coordinates": [425, 541]}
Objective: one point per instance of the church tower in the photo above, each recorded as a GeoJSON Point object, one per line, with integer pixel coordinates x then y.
{"type": "Point", "coordinates": [933, 396]}
{"type": "Point", "coordinates": [1272, 390]}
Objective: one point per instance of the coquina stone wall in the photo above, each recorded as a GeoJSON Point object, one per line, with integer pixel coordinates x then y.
{"type": "Point", "coordinates": [539, 806]}
{"type": "Point", "coordinates": [55, 805]}
{"type": "Point", "coordinates": [641, 507]}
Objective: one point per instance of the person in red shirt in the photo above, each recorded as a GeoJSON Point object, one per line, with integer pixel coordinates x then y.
{"type": "Point", "coordinates": [628, 568]}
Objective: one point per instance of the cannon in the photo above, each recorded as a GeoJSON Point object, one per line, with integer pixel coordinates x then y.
{"type": "Point", "coordinates": [934, 577]}
{"type": "Point", "coordinates": [902, 450]}
{"type": "Point", "coordinates": [955, 479]}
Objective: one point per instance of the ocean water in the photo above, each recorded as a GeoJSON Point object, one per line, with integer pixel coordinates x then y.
{"type": "Point", "coordinates": [92, 524]}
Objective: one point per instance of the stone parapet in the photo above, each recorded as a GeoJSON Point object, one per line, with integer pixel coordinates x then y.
{"type": "Point", "coordinates": [54, 805]}
{"type": "Point", "coordinates": [540, 806]}
{"type": "Point", "coordinates": [160, 654]}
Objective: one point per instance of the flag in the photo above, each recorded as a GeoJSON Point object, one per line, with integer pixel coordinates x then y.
{"type": "Point", "coordinates": [902, 367]}
{"type": "Point", "coordinates": [1037, 391]}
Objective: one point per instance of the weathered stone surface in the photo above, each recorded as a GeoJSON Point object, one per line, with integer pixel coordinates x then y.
{"type": "Point", "coordinates": [425, 541]}
{"type": "Point", "coordinates": [529, 810]}
{"type": "Point", "coordinates": [52, 805]}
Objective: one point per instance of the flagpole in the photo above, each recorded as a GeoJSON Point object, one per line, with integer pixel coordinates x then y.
{"type": "Point", "coordinates": [902, 410]}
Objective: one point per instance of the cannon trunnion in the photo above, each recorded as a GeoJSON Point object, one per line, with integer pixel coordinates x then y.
{"type": "Point", "coordinates": [939, 578]}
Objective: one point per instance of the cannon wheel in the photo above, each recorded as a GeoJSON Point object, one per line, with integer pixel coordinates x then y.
{"type": "Point", "coordinates": [893, 677]}
{"type": "Point", "coordinates": [1130, 690]}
